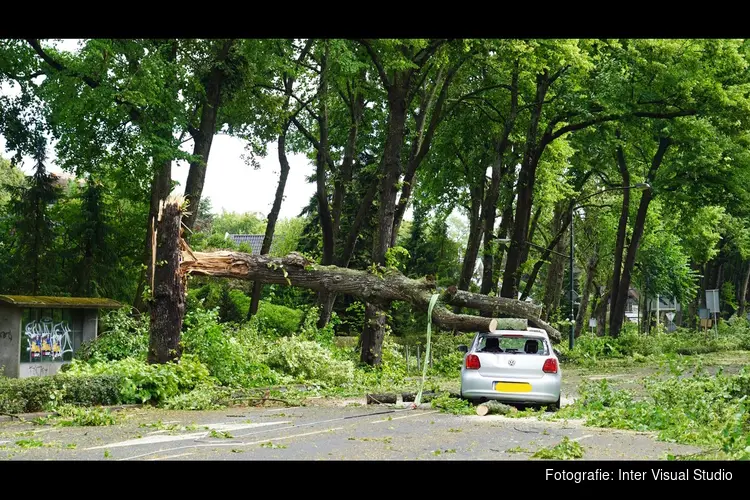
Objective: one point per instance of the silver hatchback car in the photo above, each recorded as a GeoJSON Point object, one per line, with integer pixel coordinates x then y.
{"type": "Point", "coordinates": [514, 366]}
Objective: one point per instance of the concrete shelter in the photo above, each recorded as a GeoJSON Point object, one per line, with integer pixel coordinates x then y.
{"type": "Point", "coordinates": [38, 335]}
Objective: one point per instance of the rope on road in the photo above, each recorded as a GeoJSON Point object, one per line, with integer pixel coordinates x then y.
{"type": "Point", "coordinates": [418, 399]}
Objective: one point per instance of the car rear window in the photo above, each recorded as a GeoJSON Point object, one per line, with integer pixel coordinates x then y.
{"type": "Point", "coordinates": [512, 344]}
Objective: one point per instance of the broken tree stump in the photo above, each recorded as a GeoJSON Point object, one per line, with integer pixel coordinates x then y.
{"type": "Point", "coordinates": [494, 408]}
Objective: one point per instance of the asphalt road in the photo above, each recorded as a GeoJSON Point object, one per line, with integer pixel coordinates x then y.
{"type": "Point", "coordinates": [343, 432]}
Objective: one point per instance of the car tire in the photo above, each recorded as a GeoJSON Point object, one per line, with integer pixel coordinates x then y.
{"type": "Point", "coordinates": [555, 406]}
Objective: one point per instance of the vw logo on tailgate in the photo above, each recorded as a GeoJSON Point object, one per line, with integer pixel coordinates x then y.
{"type": "Point", "coordinates": [512, 362]}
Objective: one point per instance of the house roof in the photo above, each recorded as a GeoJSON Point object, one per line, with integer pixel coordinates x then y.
{"type": "Point", "coordinates": [59, 302]}
{"type": "Point", "coordinates": [254, 241]}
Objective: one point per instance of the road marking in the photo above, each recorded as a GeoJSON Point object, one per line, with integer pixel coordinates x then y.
{"type": "Point", "coordinates": [581, 438]}
{"type": "Point", "coordinates": [169, 456]}
{"type": "Point", "coordinates": [234, 444]}
{"type": "Point", "coordinates": [3, 442]}
{"type": "Point", "coordinates": [153, 439]}
{"type": "Point", "coordinates": [405, 416]}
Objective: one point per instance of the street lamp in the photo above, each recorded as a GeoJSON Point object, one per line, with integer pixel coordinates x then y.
{"type": "Point", "coordinates": [641, 186]}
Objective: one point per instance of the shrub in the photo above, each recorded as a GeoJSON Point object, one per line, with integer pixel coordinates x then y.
{"type": "Point", "coordinates": [232, 358]}
{"type": "Point", "coordinates": [142, 382]}
{"type": "Point", "coordinates": [123, 336]}
{"type": "Point", "coordinates": [34, 394]}
{"type": "Point", "coordinates": [276, 320]}
{"type": "Point", "coordinates": [308, 361]}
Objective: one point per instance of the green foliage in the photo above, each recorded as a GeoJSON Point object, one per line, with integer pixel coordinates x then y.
{"type": "Point", "coordinates": [35, 394]}
{"type": "Point", "coordinates": [699, 408]}
{"type": "Point", "coordinates": [231, 356]}
{"type": "Point", "coordinates": [631, 343]}
{"type": "Point", "coordinates": [123, 336]}
{"type": "Point", "coordinates": [203, 397]}
{"type": "Point", "coordinates": [448, 404]}
{"type": "Point", "coordinates": [308, 361]}
{"type": "Point", "coordinates": [397, 258]}
{"type": "Point", "coordinates": [142, 382]}
{"type": "Point", "coordinates": [278, 320]}
{"type": "Point", "coordinates": [69, 415]}
{"type": "Point", "coordinates": [564, 450]}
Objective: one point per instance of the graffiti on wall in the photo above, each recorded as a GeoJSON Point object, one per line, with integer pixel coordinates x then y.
{"type": "Point", "coordinates": [7, 335]}
{"type": "Point", "coordinates": [48, 341]}
{"type": "Point", "coordinates": [38, 370]}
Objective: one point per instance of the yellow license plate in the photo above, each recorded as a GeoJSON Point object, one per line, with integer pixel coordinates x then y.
{"type": "Point", "coordinates": [512, 387]}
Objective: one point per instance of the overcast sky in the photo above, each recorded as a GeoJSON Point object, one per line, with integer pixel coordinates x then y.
{"type": "Point", "coordinates": [231, 183]}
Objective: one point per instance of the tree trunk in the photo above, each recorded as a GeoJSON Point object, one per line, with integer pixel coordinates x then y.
{"type": "Point", "coordinates": [618, 309]}
{"type": "Point", "coordinates": [168, 307]}
{"type": "Point", "coordinates": [493, 259]}
{"type": "Point", "coordinates": [273, 217]}
{"type": "Point", "coordinates": [475, 236]}
{"type": "Point", "coordinates": [526, 181]}
{"type": "Point", "coordinates": [296, 270]}
{"type": "Point", "coordinates": [601, 314]}
{"type": "Point", "coordinates": [560, 223]}
{"type": "Point", "coordinates": [743, 292]}
{"type": "Point", "coordinates": [160, 187]}
{"type": "Point", "coordinates": [622, 228]}
{"type": "Point", "coordinates": [586, 293]}
{"type": "Point", "coordinates": [373, 333]}
{"type": "Point", "coordinates": [203, 136]}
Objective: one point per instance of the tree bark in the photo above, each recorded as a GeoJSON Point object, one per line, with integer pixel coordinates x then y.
{"type": "Point", "coordinates": [203, 136]}
{"type": "Point", "coordinates": [526, 181]}
{"type": "Point", "coordinates": [273, 217]}
{"type": "Point", "coordinates": [743, 293]}
{"type": "Point", "coordinates": [618, 309]}
{"type": "Point", "coordinates": [168, 309]}
{"type": "Point", "coordinates": [160, 187]}
{"type": "Point", "coordinates": [493, 255]}
{"type": "Point", "coordinates": [296, 270]}
{"type": "Point", "coordinates": [475, 236]}
{"type": "Point", "coordinates": [586, 293]}
{"type": "Point", "coordinates": [622, 227]}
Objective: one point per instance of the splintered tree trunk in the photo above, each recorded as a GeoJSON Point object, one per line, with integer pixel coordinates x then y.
{"type": "Point", "coordinates": [168, 308]}
{"type": "Point", "coordinates": [160, 186]}
{"type": "Point", "coordinates": [373, 333]}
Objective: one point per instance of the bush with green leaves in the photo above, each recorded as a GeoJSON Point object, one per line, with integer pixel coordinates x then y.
{"type": "Point", "coordinates": [34, 394]}
{"type": "Point", "coordinates": [232, 354]}
{"type": "Point", "coordinates": [142, 382]}
{"type": "Point", "coordinates": [590, 348]}
{"type": "Point", "coordinates": [308, 361]}
{"type": "Point", "coordinates": [276, 320]}
{"type": "Point", "coordinates": [702, 408]}
{"type": "Point", "coordinates": [123, 336]}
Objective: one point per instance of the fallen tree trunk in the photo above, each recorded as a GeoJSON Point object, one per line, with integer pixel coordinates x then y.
{"type": "Point", "coordinates": [379, 287]}
{"type": "Point", "coordinates": [494, 408]}
{"type": "Point", "coordinates": [381, 399]}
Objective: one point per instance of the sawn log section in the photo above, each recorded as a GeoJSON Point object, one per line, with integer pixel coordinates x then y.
{"type": "Point", "coordinates": [381, 287]}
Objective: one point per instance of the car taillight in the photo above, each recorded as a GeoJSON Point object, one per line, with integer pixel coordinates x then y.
{"type": "Point", "coordinates": [472, 362]}
{"type": "Point", "coordinates": [550, 366]}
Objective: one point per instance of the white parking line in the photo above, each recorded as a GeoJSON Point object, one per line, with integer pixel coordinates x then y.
{"type": "Point", "coordinates": [153, 439]}
{"type": "Point", "coordinates": [580, 438]}
{"type": "Point", "coordinates": [169, 456]}
{"type": "Point", "coordinates": [405, 416]}
{"type": "Point", "coordinates": [235, 444]}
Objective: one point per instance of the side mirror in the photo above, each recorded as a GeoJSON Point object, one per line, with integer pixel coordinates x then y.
{"type": "Point", "coordinates": [557, 353]}
{"type": "Point", "coordinates": [463, 348]}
